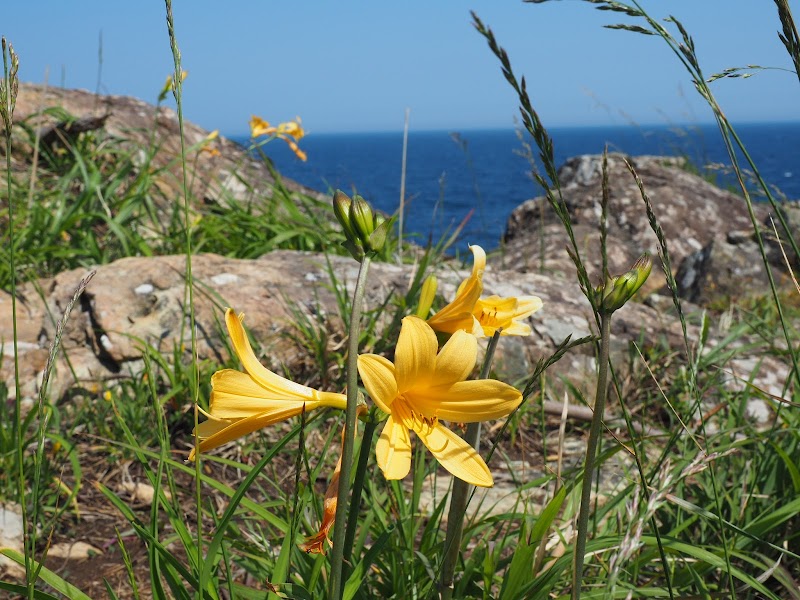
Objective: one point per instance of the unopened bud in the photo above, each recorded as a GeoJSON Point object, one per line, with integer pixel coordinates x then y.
{"type": "Point", "coordinates": [426, 297]}
{"type": "Point", "coordinates": [341, 208]}
{"type": "Point", "coordinates": [361, 217]}
{"type": "Point", "coordinates": [618, 290]}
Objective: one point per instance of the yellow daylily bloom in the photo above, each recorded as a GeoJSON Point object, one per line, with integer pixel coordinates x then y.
{"type": "Point", "coordinates": [259, 127]}
{"type": "Point", "coordinates": [245, 402]}
{"type": "Point", "coordinates": [420, 388]}
{"type": "Point", "coordinates": [292, 128]}
{"type": "Point", "coordinates": [290, 132]}
{"type": "Point", "coordinates": [495, 312]}
{"type": "Point", "coordinates": [482, 317]}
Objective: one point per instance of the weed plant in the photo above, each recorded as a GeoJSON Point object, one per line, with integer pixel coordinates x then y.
{"type": "Point", "coordinates": [707, 501]}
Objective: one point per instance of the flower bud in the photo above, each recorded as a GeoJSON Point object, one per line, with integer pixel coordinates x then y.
{"type": "Point", "coordinates": [341, 208]}
{"type": "Point", "coordinates": [362, 218]}
{"type": "Point", "coordinates": [426, 297]}
{"type": "Point", "coordinates": [382, 228]}
{"type": "Point", "coordinates": [618, 290]}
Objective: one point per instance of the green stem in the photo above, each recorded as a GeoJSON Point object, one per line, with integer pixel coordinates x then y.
{"type": "Point", "coordinates": [9, 75]}
{"type": "Point", "coordinates": [358, 483]}
{"type": "Point", "coordinates": [194, 374]}
{"type": "Point", "coordinates": [591, 454]}
{"type": "Point", "coordinates": [337, 553]}
{"type": "Point", "coordinates": [460, 496]}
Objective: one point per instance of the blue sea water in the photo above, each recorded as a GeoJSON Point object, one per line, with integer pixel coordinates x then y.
{"type": "Point", "coordinates": [451, 174]}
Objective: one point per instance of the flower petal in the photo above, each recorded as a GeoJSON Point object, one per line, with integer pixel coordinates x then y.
{"type": "Point", "coordinates": [495, 312]}
{"type": "Point", "coordinates": [415, 356]}
{"type": "Point", "coordinates": [235, 395]}
{"type": "Point", "coordinates": [456, 359]}
{"type": "Point", "coordinates": [212, 436]}
{"type": "Point", "coordinates": [274, 384]}
{"type": "Point", "coordinates": [527, 305]}
{"type": "Point", "coordinates": [393, 450]}
{"type": "Point", "coordinates": [455, 455]}
{"type": "Point", "coordinates": [467, 401]}
{"type": "Point", "coordinates": [457, 315]}
{"type": "Point", "coordinates": [239, 428]}
{"type": "Point", "coordinates": [478, 266]}
{"type": "Point", "coordinates": [377, 374]}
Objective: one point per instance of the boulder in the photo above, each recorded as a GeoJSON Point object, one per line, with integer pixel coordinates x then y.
{"type": "Point", "coordinates": [723, 271]}
{"type": "Point", "coordinates": [691, 211]}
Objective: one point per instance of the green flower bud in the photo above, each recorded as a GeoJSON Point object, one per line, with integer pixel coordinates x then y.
{"type": "Point", "coordinates": [341, 208]}
{"type": "Point", "coordinates": [362, 218]}
{"type": "Point", "coordinates": [382, 228]}
{"type": "Point", "coordinates": [618, 290]}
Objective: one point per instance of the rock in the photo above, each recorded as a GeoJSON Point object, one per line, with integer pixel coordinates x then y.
{"type": "Point", "coordinates": [11, 536]}
{"type": "Point", "coordinates": [691, 211]}
{"type": "Point", "coordinates": [73, 551]}
{"type": "Point", "coordinates": [723, 271]}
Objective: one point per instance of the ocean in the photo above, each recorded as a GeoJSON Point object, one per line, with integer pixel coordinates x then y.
{"type": "Point", "coordinates": [484, 174]}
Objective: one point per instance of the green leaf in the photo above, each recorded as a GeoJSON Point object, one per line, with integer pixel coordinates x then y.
{"type": "Point", "coordinates": [519, 572]}
{"type": "Point", "coordinates": [353, 582]}
{"type": "Point", "coordinates": [46, 575]}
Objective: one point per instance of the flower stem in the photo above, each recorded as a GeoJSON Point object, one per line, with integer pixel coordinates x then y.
{"type": "Point", "coordinates": [591, 453]}
{"type": "Point", "coordinates": [337, 553]}
{"type": "Point", "coordinates": [460, 495]}
{"type": "Point", "coordinates": [358, 483]}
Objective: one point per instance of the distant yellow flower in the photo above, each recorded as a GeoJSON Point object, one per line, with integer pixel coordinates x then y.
{"type": "Point", "coordinates": [169, 85]}
{"type": "Point", "coordinates": [482, 317]}
{"type": "Point", "coordinates": [245, 402]}
{"type": "Point", "coordinates": [207, 146]}
{"type": "Point", "coordinates": [290, 132]}
{"type": "Point", "coordinates": [259, 127]}
{"type": "Point", "coordinates": [420, 388]}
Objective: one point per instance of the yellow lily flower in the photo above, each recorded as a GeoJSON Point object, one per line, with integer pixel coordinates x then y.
{"type": "Point", "coordinates": [259, 127]}
{"type": "Point", "coordinates": [290, 132]}
{"type": "Point", "coordinates": [495, 312]}
{"type": "Point", "coordinates": [482, 317]}
{"type": "Point", "coordinates": [420, 388]}
{"type": "Point", "coordinates": [245, 402]}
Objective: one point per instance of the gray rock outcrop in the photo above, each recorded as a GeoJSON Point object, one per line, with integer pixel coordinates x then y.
{"type": "Point", "coordinates": [692, 212]}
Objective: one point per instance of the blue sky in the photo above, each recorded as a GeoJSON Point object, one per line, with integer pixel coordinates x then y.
{"type": "Point", "coordinates": [357, 65]}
